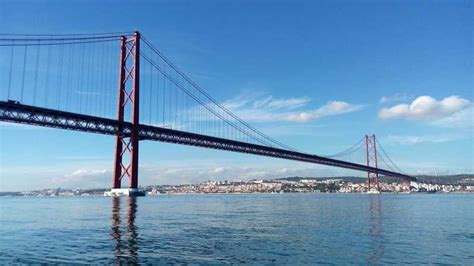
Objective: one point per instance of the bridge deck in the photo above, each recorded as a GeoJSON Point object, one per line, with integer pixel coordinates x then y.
{"type": "Point", "coordinates": [24, 114]}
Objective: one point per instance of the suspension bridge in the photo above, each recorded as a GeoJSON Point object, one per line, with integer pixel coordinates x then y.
{"type": "Point", "coordinates": [122, 85]}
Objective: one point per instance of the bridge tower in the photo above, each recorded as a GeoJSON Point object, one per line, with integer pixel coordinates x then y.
{"type": "Point", "coordinates": [126, 145]}
{"type": "Point", "coordinates": [371, 152]}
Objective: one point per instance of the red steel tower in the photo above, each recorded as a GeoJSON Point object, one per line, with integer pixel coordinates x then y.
{"type": "Point", "coordinates": [126, 146]}
{"type": "Point", "coordinates": [371, 151]}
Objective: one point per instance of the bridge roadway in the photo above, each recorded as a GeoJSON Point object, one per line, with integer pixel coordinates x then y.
{"type": "Point", "coordinates": [31, 115]}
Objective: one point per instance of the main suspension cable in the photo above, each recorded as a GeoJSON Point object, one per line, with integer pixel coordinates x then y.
{"type": "Point", "coordinates": [190, 81]}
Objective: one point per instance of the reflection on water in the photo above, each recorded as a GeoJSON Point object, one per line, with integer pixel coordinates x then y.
{"type": "Point", "coordinates": [256, 229]}
{"type": "Point", "coordinates": [375, 229]}
{"type": "Point", "coordinates": [124, 231]}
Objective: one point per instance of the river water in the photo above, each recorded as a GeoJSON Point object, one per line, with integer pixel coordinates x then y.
{"type": "Point", "coordinates": [256, 228]}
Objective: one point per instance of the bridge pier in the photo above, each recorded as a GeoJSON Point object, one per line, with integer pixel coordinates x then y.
{"type": "Point", "coordinates": [126, 144]}
{"type": "Point", "coordinates": [371, 152]}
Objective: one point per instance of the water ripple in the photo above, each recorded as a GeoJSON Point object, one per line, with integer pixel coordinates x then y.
{"type": "Point", "coordinates": [257, 229]}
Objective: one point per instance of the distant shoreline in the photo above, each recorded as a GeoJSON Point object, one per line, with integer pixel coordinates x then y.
{"type": "Point", "coordinates": [234, 194]}
{"type": "Point", "coordinates": [462, 183]}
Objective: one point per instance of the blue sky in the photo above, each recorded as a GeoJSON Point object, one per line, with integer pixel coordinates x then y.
{"type": "Point", "coordinates": [324, 72]}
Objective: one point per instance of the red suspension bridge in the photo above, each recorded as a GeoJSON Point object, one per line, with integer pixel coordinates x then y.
{"type": "Point", "coordinates": [70, 82]}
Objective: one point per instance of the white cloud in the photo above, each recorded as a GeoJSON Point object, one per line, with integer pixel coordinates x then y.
{"type": "Point", "coordinates": [187, 175]}
{"type": "Point", "coordinates": [258, 108]}
{"type": "Point", "coordinates": [421, 167]}
{"type": "Point", "coordinates": [461, 119]}
{"type": "Point", "coordinates": [290, 103]}
{"type": "Point", "coordinates": [394, 98]}
{"type": "Point", "coordinates": [412, 140]}
{"type": "Point", "coordinates": [85, 178]}
{"type": "Point", "coordinates": [257, 100]}
{"type": "Point", "coordinates": [80, 173]}
{"type": "Point", "coordinates": [219, 170]}
{"type": "Point", "coordinates": [329, 109]}
{"type": "Point", "coordinates": [425, 108]}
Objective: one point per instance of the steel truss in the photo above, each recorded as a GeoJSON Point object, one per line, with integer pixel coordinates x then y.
{"type": "Point", "coordinates": [18, 113]}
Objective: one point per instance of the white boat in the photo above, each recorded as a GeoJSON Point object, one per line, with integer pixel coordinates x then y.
{"type": "Point", "coordinates": [124, 192]}
{"type": "Point", "coordinates": [372, 191]}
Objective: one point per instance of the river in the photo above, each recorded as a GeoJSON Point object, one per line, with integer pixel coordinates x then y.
{"type": "Point", "coordinates": [253, 228]}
